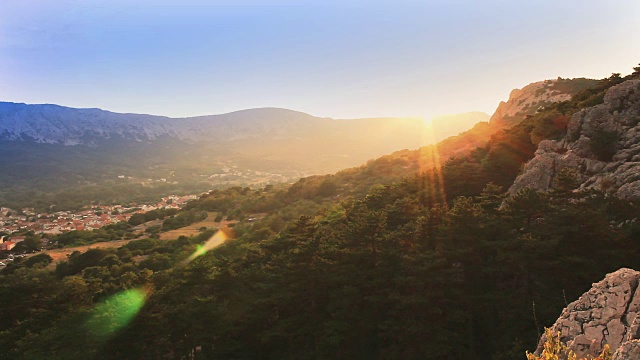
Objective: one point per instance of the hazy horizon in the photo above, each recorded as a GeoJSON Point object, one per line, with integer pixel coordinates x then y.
{"type": "Point", "coordinates": [435, 116]}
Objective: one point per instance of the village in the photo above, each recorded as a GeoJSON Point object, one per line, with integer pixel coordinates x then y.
{"type": "Point", "coordinates": [14, 223]}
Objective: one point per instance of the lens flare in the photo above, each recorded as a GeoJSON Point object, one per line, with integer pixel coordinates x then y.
{"type": "Point", "coordinates": [216, 240]}
{"type": "Point", "coordinates": [116, 312]}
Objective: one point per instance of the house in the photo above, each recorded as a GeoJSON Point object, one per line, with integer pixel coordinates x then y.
{"type": "Point", "coordinates": [7, 246]}
{"type": "Point", "coordinates": [17, 239]}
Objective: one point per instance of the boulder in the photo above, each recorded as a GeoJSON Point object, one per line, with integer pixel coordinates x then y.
{"type": "Point", "coordinates": [606, 314]}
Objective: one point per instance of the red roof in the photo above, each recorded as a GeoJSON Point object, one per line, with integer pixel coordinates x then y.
{"type": "Point", "coordinates": [7, 245]}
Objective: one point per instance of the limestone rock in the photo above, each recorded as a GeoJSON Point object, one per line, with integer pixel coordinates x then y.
{"type": "Point", "coordinates": [628, 351]}
{"type": "Point", "coordinates": [617, 118]}
{"type": "Point", "coordinates": [606, 314]}
{"type": "Point", "coordinates": [527, 101]}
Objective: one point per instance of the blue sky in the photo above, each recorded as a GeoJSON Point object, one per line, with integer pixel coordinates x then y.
{"type": "Point", "coordinates": [342, 59]}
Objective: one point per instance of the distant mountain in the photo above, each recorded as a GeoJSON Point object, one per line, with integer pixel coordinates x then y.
{"type": "Point", "coordinates": [51, 146]}
{"type": "Point", "coordinates": [456, 123]}
{"type": "Point", "coordinates": [54, 124]}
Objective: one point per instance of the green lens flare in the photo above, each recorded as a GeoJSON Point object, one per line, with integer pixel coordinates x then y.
{"type": "Point", "coordinates": [200, 250]}
{"type": "Point", "coordinates": [115, 312]}
{"type": "Point", "coordinates": [216, 240]}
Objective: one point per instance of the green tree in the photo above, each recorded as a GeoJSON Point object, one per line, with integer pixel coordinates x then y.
{"type": "Point", "coordinates": [39, 260]}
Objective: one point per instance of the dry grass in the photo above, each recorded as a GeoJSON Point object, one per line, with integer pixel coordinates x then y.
{"type": "Point", "coordinates": [191, 230]}
{"type": "Point", "coordinates": [62, 254]}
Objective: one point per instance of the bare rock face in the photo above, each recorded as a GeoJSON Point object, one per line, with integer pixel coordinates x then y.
{"type": "Point", "coordinates": [606, 314]}
{"type": "Point", "coordinates": [602, 146]}
{"type": "Point", "coordinates": [528, 100]}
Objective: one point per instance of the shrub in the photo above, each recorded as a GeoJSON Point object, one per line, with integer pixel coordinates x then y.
{"type": "Point", "coordinates": [554, 349]}
{"type": "Point", "coordinates": [603, 144]}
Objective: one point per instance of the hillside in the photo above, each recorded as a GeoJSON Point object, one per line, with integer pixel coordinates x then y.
{"type": "Point", "coordinates": [474, 152]}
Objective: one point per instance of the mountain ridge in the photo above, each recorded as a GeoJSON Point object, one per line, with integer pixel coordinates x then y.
{"type": "Point", "coordinates": [51, 123]}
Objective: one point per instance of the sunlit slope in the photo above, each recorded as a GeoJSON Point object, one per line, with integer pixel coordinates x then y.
{"type": "Point", "coordinates": [486, 143]}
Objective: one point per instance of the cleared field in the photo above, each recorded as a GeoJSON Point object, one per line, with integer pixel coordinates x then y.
{"type": "Point", "coordinates": [61, 254]}
{"type": "Point", "coordinates": [193, 229]}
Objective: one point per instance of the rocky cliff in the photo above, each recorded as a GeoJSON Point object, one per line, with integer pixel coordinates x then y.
{"type": "Point", "coordinates": [529, 99]}
{"type": "Point", "coordinates": [606, 314]}
{"type": "Point", "coordinates": [602, 147]}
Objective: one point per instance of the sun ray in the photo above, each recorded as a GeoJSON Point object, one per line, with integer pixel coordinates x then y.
{"type": "Point", "coordinates": [430, 164]}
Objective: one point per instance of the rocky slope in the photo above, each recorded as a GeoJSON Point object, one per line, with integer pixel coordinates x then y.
{"type": "Point", "coordinates": [606, 314]}
{"type": "Point", "coordinates": [602, 147]}
{"type": "Point", "coordinates": [529, 99]}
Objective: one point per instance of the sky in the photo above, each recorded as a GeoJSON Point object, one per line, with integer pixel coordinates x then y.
{"type": "Point", "coordinates": [340, 59]}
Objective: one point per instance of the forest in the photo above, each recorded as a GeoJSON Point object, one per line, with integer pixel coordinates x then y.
{"type": "Point", "coordinates": [370, 263]}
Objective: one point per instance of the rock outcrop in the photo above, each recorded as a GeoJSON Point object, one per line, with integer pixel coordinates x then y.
{"type": "Point", "coordinates": [629, 350]}
{"type": "Point", "coordinates": [606, 314]}
{"type": "Point", "coordinates": [529, 99]}
{"type": "Point", "coordinates": [602, 147]}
